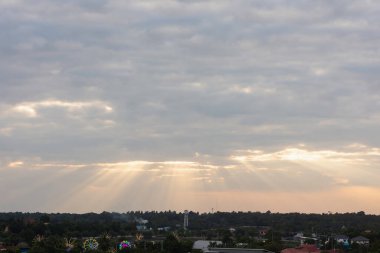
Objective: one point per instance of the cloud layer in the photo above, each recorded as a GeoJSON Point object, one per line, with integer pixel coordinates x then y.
{"type": "Point", "coordinates": [191, 100]}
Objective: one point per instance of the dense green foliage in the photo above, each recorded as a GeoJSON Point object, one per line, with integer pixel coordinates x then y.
{"type": "Point", "coordinates": [50, 232]}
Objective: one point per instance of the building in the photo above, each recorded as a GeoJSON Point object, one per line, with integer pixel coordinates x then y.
{"type": "Point", "coordinates": [141, 227]}
{"type": "Point", "coordinates": [360, 240]}
{"type": "Point", "coordinates": [342, 239]}
{"type": "Point", "coordinates": [299, 237]}
{"type": "Point", "coordinates": [204, 245]}
{"type": "Point", "coordinates": [141, 224]}
{"type": "Point", "coordinates": [166, 229]}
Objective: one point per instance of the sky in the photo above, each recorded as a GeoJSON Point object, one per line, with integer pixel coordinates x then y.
{"type": "Point", "coordinates": [220, 105]}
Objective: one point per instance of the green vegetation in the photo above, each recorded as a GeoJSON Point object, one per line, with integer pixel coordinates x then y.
{"type": "Point", "coordinates": [67, 232]}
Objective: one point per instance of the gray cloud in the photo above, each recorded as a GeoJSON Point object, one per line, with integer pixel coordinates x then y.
{"type": "Point", "coordinates": [184, 77]}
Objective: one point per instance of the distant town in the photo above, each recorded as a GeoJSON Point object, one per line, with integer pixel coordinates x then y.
{"type": "Point", "coordinates": [187, 231]}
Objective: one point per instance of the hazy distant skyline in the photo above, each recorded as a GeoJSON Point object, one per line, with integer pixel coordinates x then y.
{"type": "Point", "coordinates": [158, 105]}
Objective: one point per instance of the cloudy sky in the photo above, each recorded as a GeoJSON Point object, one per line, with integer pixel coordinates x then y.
{"type": "Point", "coordinates": [171, 104]}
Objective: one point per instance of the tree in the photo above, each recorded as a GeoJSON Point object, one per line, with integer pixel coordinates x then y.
{"type": "Point", "coordinates": [186, 246]}
{"type": "Point", "coordinates": [172, 244]}
{"type": "Point", "coordinates": [309, 241]}
{"type": "Point", "coordinates": [105, 242]}
{"type": "Point", "coordinates": [55, 244]}
{"type": "Point", "coordinates": [273, 246]}
{"type": "Point", "coordinates": [45, 218]}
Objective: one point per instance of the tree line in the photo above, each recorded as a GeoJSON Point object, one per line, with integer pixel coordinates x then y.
{"type": "Point", "coordinates": [232, 228]}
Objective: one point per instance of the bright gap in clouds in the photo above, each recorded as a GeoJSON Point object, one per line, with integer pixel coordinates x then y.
{"type": "Point", "coordinates": [286, 180]}
{"type": "Point", "coordinates": [30, 109]}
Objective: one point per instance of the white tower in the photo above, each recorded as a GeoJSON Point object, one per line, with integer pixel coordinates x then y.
{"type": "Point", "coordinates": [185, 220]}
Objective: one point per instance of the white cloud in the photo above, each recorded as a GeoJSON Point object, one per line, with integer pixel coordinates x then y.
{"type": "Point", "coordinates": [298, 154]}
{"type": "Point", "coordinates": [25, 110]}
{"type": "Point", "coordinates": [319, 71]}
{"type": "Point", "coordinates": [30, 109]}
{"type": "Point", "coordinates": [240, 89]}
{"type": "Point", "coordinates": [153, 84]}
{"type": "Point", "coordinates": [15, 164]}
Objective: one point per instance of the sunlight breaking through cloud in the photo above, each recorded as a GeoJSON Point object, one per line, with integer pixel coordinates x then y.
{"type": "Point", "coordinates": [15, 164]}
{"type": "Point", "coordinates": [30, 109]}
{"type": "Point", "coordinates": [298, 154]}
{"type": "Point", "coordinates": [177, 104]}
{"type": "Point", "coordinates": [251, 173]}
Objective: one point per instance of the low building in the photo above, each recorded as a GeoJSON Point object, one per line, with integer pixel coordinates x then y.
{"type": "Point", "coordinates": [360, 240]}
{"type": "Point", "coordinates": [342, 239]}
{"type": "Point", "coordinates": [166, 229]}
{"type": "Point", "coordinates": [205, 244]}
{"type": "Point", "coordinates": [141, 227]}
{"type": "Point", "coordinates": [141, 224]}
{"type": "Point", "coordinates": [241, 245]}
{"type": "Point", "coordinates": [299, 237]}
